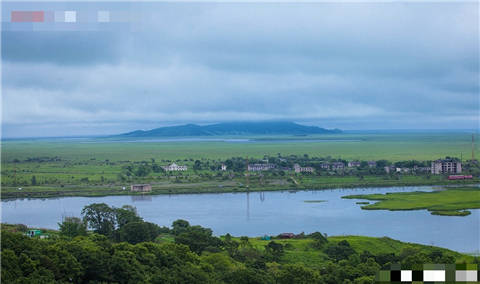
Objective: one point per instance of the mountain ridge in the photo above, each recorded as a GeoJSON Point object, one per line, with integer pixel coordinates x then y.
{"type": "Point", "coordinates": [232, 128]}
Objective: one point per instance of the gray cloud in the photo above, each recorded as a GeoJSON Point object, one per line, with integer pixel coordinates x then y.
{"type": "Point", "coordinates": [356, 66]}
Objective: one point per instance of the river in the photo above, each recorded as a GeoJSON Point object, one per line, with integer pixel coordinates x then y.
{"type": "Point", "coordinates": [260, 213]}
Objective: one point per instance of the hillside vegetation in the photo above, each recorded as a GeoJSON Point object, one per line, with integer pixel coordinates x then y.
{"type": "Point", "coordinates": [120, 247]}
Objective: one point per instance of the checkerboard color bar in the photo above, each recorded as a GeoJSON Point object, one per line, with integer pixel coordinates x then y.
{"type": "Point", "coordinates": [431, 273]}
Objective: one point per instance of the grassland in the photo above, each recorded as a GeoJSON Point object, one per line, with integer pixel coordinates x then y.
{"type": "Point", "coordinates": [91, 167]}
{"type": "Point", "coordinates": [392, 147]}
{"type": "Point", "coordinates": [221, 186]}
{"type": "Point", "coordinates": [450, 202]}
{"type": "Point", "coordinates": [302, 251]}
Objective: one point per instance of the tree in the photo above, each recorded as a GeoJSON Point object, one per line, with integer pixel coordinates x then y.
{"type": "Point", "coordinates": [298, 274]}
{"type": "Point", "coordinates": [248, 276]}
{"type": "Point", "coordinates": [72, 227]}
{"type": "Point", "coordinates": [126, 214]}
{"type": "Point", "coordinates": [339, 251]}
{"type": "Point", "coordinates": [197, 165]}
{"type": "Point", "coordinates": [99, 217]}
{"type": "Point", "coordinates": [34, 180]}
{"type": "Point", "coordinates": [142, 171]}
{"type": "Point", "coordinates": [274, 251]}
{"type": "Point", "coordinates": [319, 240]}
{"type": "Point", "coordinates": [179, 226]}
{"type": "Point", "coordinates": [137, 232]}
{"type": "Point", "coordinates": [198, 239]}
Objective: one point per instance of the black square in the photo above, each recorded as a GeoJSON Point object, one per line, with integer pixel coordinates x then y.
{"type": "Point", "coordinates": [395, 275]}
{"type": "Point", "coordinates": [417, 275]}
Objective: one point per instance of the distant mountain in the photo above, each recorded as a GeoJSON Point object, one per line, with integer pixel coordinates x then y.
{"type": "Point", "coordinates": [232, 128]}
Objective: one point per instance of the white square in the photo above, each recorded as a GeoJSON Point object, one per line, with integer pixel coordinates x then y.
{"type": "Point", "coordinates": [70, 16]}
{"type": "Point", "coordinates": [103, 16]}
{"type": "Point", "coordinates": [406, 276]}
{"type": "Point", "coordinates": [434, 275]}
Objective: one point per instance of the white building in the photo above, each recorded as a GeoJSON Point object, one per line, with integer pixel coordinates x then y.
{"type": "Point", "coordinates": [447, 166]}
{"type": "Point", "coordinates": [174, 167]}
{"type": "Point", "coordinates": [354, 164]}
{"type": "Point", "coordinates": [260, 167]}
{"type": "Point", "coordinates": [299, 169]}
{"type": "Point", "coordinates": [224, 167]}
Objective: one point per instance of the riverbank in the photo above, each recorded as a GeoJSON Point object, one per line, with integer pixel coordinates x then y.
{"type": "Point", "coordinates": [449, 202]}
{"type": "Point", "coordinates": [229, 186]}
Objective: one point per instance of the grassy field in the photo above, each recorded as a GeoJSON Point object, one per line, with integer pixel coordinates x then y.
{"type": "Point", "coordinates": [393, 147]}
{"type": "Point", "coordinates": [91, 167]}
{"type": "Point", "coordinates": [221, 186]}
{"type": "Point", "coordinates": [301, 250]}
{"type": "Point", "coordinates": [451, 202]}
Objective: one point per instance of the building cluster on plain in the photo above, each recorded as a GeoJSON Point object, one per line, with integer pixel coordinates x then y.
{"type": "Point", "coordinates": [446, 166]}
{"type": "Point", "coordinates": [260, 167]}
{"type": "Point", "coordinates": [174, 168]}
{"type": "Point", "coordinates": [299, 169]}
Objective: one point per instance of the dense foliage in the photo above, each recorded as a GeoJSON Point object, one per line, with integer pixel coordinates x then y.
{"type": "Point", "coordinates": [122, 248]}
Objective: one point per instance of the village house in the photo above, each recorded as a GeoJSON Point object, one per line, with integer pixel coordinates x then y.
{"type": "Point", "coordinates": [224, 167]}
{"type": "Point", "coordinates": [403, 170]}
{"type": "Point", "coordinates": [286, 235]}
{"type": "Point", "coordinates": [141, 187]}
{"type": "Point", "coordinates": [174, 167]}
{"type": "Point", "coordinates": [338, 166]}
{"type": "Point", "coordinates": [421, 169]}
{"type": "Point", "coordinates": [389, 169]}
{"type": "Point", "coordinates": [324, 165]}
{"type": "Point", "coordinates": [372, 164]}
{"type": "Point", "coordinates": [299, 169]}
{"type": "Point", "coordinates": [446, 166]}
{"type": "Point", "coordinates": [260, 167]}
{"type": "Point", "coordinates": [354, 164]}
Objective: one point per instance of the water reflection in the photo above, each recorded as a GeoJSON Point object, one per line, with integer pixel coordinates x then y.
{"type": "Point", "coordinates": [137, 198]}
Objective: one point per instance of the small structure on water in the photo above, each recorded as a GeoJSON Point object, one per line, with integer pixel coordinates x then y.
{"type": "Point", "coordinates": [141, 187]}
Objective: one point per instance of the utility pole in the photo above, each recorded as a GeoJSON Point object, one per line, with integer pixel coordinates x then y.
{"type": "Point", "coordinates": [473, 147]}
{"type": "Point", "coordinates": [247, 175]}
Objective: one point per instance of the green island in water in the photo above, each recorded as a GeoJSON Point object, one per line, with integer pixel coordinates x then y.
{"type": "Point", "coordinates": [447, 202]}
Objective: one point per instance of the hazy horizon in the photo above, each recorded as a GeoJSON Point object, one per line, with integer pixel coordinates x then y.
{"type": "Point", "coordinates": [345, 131]}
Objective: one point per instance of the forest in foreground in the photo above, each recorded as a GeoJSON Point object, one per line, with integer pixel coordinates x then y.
{"type": "Point", "coordinates": [115, 245]}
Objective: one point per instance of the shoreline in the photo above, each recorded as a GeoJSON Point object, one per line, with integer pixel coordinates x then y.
{"type": "Point", "coordinates": [103, 192]}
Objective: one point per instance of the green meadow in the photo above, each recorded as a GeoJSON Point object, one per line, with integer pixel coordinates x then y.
{"type": "Point", "coordinates": [94, 166]}
{"type": "Point", "coordinates": [450, 202]}
{"type": "Point", "coordinates": [302, 251]}
{"type": "Point", "coordinates": [392, 147]}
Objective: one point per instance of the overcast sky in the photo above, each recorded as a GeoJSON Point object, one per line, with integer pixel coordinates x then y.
{"type": "Point", "coordinates": [347, 66]}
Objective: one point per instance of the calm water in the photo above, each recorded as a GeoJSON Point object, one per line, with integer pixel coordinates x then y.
{"type": "Point", "coordinates": [256, 214]}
